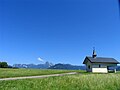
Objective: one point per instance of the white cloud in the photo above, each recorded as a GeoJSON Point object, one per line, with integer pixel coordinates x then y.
{"type": "Point", "coordinates": [40, 59]}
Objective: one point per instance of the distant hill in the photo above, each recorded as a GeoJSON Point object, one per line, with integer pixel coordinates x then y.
{"type": "Point", "coordinates": [67, 66]}
{"type": "Point", "coordinates": [118, 68]}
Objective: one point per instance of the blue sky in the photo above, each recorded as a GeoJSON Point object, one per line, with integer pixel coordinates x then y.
{"type": "Point", "coordinates": [58, 31]}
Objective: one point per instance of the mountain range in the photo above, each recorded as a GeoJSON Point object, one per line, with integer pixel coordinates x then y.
{"type": "Point", "coordinates": [34, 66]}
{"type": "Point", "coordinates": [49, 65]}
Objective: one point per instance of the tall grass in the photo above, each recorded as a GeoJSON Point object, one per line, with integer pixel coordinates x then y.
{"type": "Point", "coordinates": [71, 82]}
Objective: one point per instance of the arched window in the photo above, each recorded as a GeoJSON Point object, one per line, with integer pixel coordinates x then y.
{"type": "Point", "coordinates": [88, 66]}
{"type": "Point", "coordinates": [99, 65]}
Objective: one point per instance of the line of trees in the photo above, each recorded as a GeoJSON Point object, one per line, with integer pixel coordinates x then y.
{"type": "Point", "coordinates": [3, 65]}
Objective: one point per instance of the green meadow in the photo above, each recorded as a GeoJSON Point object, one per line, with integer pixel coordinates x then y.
{"type": "Point", "coordinates": [6, 73]}
{"type": "Point", "coordinates": [80, 81]}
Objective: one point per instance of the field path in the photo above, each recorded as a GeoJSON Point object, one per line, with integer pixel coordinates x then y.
{"type": "Point", "coordinates": [41, 76]}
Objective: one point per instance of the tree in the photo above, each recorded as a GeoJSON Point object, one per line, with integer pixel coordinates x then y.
{"type": "Point", "coordinates": [3, 65]}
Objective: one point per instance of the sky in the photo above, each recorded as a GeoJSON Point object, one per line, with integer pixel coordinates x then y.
{"type": "Point", "coordinates": [58, 31]}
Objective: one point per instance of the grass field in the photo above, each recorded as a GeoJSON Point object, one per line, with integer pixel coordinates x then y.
{"type": "Point", "coordinates": [5, 73]}
{"type": "Point", "coordinates": [70, 82]}
{"type": "Point", "coordinates": [81, 81]}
